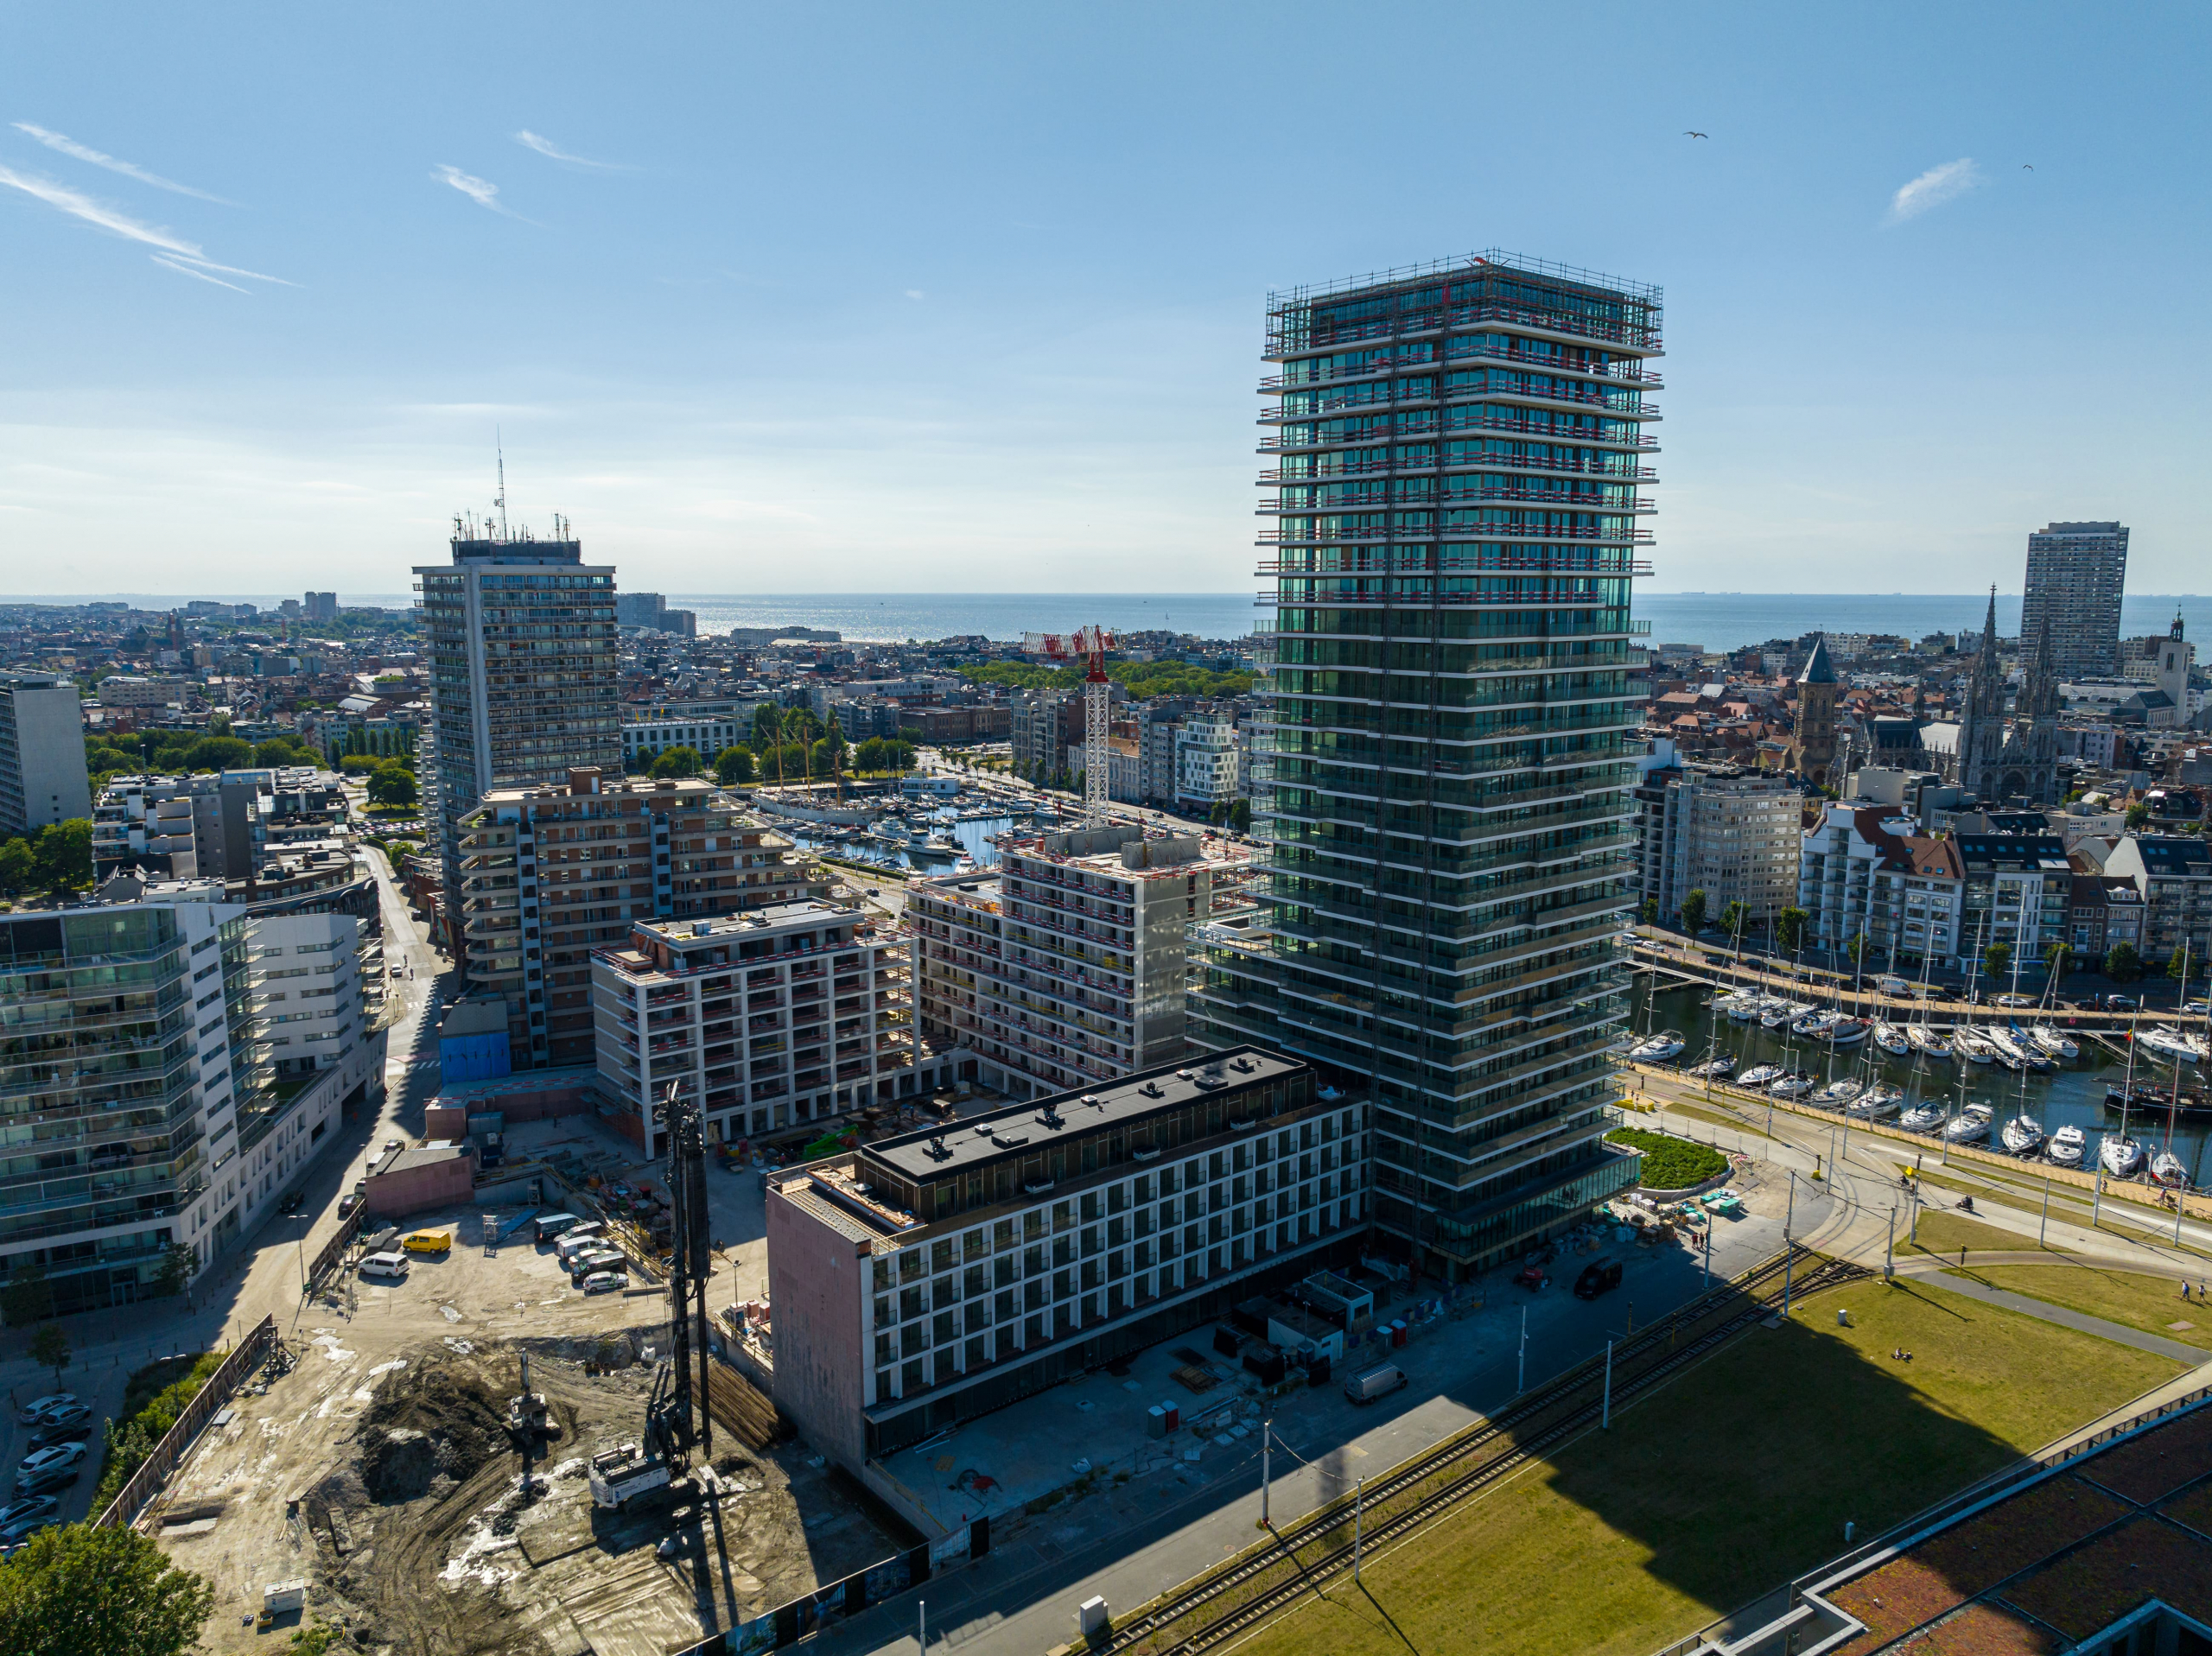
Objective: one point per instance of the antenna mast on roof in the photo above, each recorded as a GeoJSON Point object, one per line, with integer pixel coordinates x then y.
{"type": "Point", "coordinates": [498, 447]}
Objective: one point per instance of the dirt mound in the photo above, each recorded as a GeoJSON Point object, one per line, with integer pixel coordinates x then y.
{"type": "Point", "coordinates": [445, 1420]}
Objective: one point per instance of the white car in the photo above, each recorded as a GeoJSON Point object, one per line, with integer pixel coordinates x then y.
{"type": "Point", "coordinates": [605, 1282]}
{"type": "Point", "coordinates": [34, 1413]}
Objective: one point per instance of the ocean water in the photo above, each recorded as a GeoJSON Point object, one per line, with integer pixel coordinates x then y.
{"type": "Point", "coordinates": [1716, 620]}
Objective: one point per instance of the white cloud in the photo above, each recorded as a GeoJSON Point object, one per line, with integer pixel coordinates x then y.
{"type": "Point", "coordinates": [482, 191]}
{"type": "Point", "coordinates": [182, 268]}
{"type": "Point", "coordinates": [116, 222]}
{"type": "Point", "coordinates": [68, 146]}
{"type": "Point", "coordinates": [913, 293]}
{"type": "Point", "coordinates": [546, 147]}
{"type": "Point", "coordinates": [1933, 188]}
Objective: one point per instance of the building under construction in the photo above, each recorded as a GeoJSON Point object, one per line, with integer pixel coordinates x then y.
{"type": "Point", "coordinates": [1457, 479]}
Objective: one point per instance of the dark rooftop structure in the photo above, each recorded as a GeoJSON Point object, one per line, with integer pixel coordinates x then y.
{"type": "Point", "coordinates": [2105, 1548]}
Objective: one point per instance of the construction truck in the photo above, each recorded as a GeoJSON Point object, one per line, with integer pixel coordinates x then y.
{"type": "Point", "coordinates": [619, 1475]}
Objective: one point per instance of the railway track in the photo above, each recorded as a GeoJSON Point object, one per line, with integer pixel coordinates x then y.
{"type": "Point", "coordinates": [1254, 1588]}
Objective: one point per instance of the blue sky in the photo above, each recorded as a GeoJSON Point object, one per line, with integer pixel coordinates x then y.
{"type": "Point", "coordinates": [961, 298]}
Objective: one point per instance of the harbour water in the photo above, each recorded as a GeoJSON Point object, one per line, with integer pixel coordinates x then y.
{"type": "Point", "coordinates": [964, 825]}
{"type": "Point", "coordinates": [2073, 1095]}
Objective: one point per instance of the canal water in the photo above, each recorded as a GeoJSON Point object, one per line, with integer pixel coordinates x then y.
{"type": "Point", "coordinates": [2073, 1095]}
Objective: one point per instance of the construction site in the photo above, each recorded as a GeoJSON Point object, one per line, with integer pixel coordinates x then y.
{"type": "Point", "coordinates": [480, 1458]}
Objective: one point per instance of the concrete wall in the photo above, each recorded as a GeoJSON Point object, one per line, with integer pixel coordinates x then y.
{"type": "Point", "coordinates": [410, 1189]}
{"type": "Point", "coordinates": [816, 1280]}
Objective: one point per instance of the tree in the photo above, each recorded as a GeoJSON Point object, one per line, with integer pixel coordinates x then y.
{"type": "Point", "coordinates": [733, 766]}
{"type": "Point", "coordinates": [1648, 913]}
{"type": "Point", "coordinates": [82, 1591]}
{"type": "Point", "coordinates": [213, 753]}
{"type": "Point", "coordinates": [2138, 815]}
{"type": "Point", "coordinates": [50, 1349]}
{"type": "Point", "coordinates": [1997, 960]}
{"type": "Point", "coordinates": [2054, 958]}
{"type": "Point", "coordinates": [219, 724]}
{"type": "Point", "coordinates": [177, 1262]}
{"type": "Point", "coordinates": [1239, 817]}
{"type": "Point", "coordinates": [1694, 910]}
{"type": "Point", "coordinates": [392, 783]}
{"type": "Point", "coordinates": [768, 726]}
{"type": "Point", "coordinates": [63, 855]}
{"type": "Point", "coordinates": [677, 762]}
{"type": "Point", "coordinates": [357, 764]}
{"type": "Point", "coordinates": [1857, 949]}
{"type": "Point", "coordinates": [18, 867]}
{"type": "Point", "coordinates": [2122, 963]}
{"type": "Point", "coordinates": [28, 1297]}
{"type": "Point", "coordinates": [1789, 930]}
{"type": "Point", "coordinates": [2177, 963]}
{"type": "Point", "coordinates": [1732, 918]}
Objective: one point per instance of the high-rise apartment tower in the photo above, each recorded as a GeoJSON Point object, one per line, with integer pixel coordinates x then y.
{"type": "Point", "coordinates": [43, 774]}
{"type": "Point", "coordinates": [1442, 775]}
{"type": "Point", "coordinates": [2076, 575]}
{"type": "Point", "coordinates": [521, 641]}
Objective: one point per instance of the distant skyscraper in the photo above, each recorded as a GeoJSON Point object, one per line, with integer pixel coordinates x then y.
{"type": "Point", "coordinates": [323, 606]}
{"type": "Point", "coordinates": [43, 774]}
{"type": "Point", "coordinates": [521, 641]}
{"type": "Point", "coordinates": [2076, 575]}
{"type": "Point", "coordinates": [1442, 772]}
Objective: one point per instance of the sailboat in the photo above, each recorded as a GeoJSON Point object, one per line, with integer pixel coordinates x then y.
{"type": "Point", "coordinates": [2117, 1153]}
{"type": "Point", "coordinates": [1892, 1039]}
{"type": "Point", "coordinates": [2167, 1168]}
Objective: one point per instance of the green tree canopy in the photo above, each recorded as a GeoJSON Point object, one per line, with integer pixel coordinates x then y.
{"type": "Point", "coordinates": [82, 1591]}
{"type": "Point", "coordinates": [218, 753]}
{"type": "Point", "coordinates": [2122, 963]}
{"type": "Point", "coordinates": [1789, 930]}
{"type": "Point", "coordinates": [392, 783]}
{"type": "Point", "coordinates": [63, 855]}
{"type": "Point", "coordinates": [18, 867]}
{"type": "Point", "coordinates": [733, 766]}
{"type": "Point", "coordinates": [1694, 910]}
{"type": "Point", "coordinates": [677, 762]}
{"type": "Point", "coordinates": [1732, 918]}
{"type": "Point", "coordinates": [1997, 960]}
{"type": "Point", "coordinates": [2177, 963]}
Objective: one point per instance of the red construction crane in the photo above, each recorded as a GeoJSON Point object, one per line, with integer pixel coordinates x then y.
{"type": "Point", "coordinates": [1088, 646]}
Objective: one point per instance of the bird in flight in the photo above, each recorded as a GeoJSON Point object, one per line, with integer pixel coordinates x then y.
{"type": "Point", "coordinates": [1697, 134]}
{"type": "Point", "coordinates": [2027, 166]}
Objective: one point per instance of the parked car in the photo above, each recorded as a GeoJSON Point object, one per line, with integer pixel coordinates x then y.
{"type": "Point", "coordinates": [2016, 1000]}
{"type": "Point", "coordinates": [76, 1431]}
{"type": "Point", "coordinates": [603, 1282]}
{"type": "Point", "coordinates": [347, 1202]}
{"type": "Point", "coordinates": [29, 1510]}
{"type": "Point", "coordinates": [587, 1265]}
{"type": "Point", "coordinates": [35, 1412]}
{"type": "Point", "coordinates": [1599, 1276]}
{"type": "Point", "coordinates": [2119, 1002]}
{"type": "Point", "coordinates": [68, 1414]}
{"type": "Point", "coordinates": [1376, 1380]}
{"type": "Point", "coordinates": [292, 1203]}
{"type": "Point", "coordinates": [383, 1268]}
{"type": "Point", "coordinates": [429, 1241]}
{"type": "Point", "coordinates": [49, 1468]}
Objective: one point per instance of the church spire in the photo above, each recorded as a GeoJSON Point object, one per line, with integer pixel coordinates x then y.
{"type": "Point", "coordinates": [2039, 688]}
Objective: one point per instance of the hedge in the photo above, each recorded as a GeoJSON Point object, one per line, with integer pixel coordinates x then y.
{"type": "Point", "coordinates": [1670, 1164]}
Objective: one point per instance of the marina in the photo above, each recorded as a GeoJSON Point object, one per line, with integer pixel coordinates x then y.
{"type": "Point", "coordinates": [904, 835]}
{"type": "Point", "coordinates": [1953, 1084]}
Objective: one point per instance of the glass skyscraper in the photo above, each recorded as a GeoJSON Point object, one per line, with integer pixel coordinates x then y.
{"type": "Point", "coordinates": [1443, 775]}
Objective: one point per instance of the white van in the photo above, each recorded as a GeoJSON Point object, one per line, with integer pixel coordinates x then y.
{"type": "Point", "coordinates": [383, 1268]}
{"type": "Point", "coordinates": [580, 1238]}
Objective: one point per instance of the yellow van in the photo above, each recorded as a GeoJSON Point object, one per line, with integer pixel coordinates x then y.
{"type": "Point", "coordinates": [429, 1241]}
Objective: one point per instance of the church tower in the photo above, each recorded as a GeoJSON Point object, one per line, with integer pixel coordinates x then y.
{"type": "Point", "coordinates": [1982, 739]}
{"type": "Point", "coordinates": [1812, 754]}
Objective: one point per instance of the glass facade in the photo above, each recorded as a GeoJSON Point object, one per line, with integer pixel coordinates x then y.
{"type": "Point", "coordinates": [1443, 775]}
{"type": "Point", "coordinates": [101, 1129]}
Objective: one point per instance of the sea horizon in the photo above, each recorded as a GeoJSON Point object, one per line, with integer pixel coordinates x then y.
{"type": "Point", "coordinates": [1714, 620]}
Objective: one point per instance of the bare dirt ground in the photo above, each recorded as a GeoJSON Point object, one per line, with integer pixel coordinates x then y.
{"type": "Point", "coordinates": [381, 1471]}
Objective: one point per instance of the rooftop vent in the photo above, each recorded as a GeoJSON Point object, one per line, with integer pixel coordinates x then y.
{"type": "Point", "coordinates": [939, 1151]}
{"type": "Point", "coordinates": [1185, 1074]}
{"type": "Point", "coordinates": [1153, 1090]}
{"type": "Point", "coordinates": [1243, 1066]}
{"type": "Point", "coordinates": [1009, 1140]}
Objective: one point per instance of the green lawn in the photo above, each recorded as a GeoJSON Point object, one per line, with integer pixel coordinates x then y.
{"type": "Point", "coordinates": [1741, 1473]}
{"type": "Point", "coordinates": [1945, 1233]}
{"type": "Point", "coordinates": [2151, 1304]}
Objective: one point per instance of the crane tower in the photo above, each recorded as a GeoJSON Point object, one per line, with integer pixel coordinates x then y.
{"type": "Point", "coordinates": [1088, 646]}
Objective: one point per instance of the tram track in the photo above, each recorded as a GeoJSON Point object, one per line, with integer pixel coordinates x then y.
{"type": "Point", "coordinates": [1246, 1592]}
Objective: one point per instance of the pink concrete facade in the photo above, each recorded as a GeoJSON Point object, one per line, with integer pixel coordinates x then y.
{"type": "Point", "coordinates": [818, 1277]}
{"type": "Point", "coordinates": [447, 1183]}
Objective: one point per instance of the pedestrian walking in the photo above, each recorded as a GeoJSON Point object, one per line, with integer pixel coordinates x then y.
{"type": "Point", "coordinates": [2185, 1290]}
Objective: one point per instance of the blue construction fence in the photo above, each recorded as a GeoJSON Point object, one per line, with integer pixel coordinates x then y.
{"type": "Point", "coordinates": [804, 1617]}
